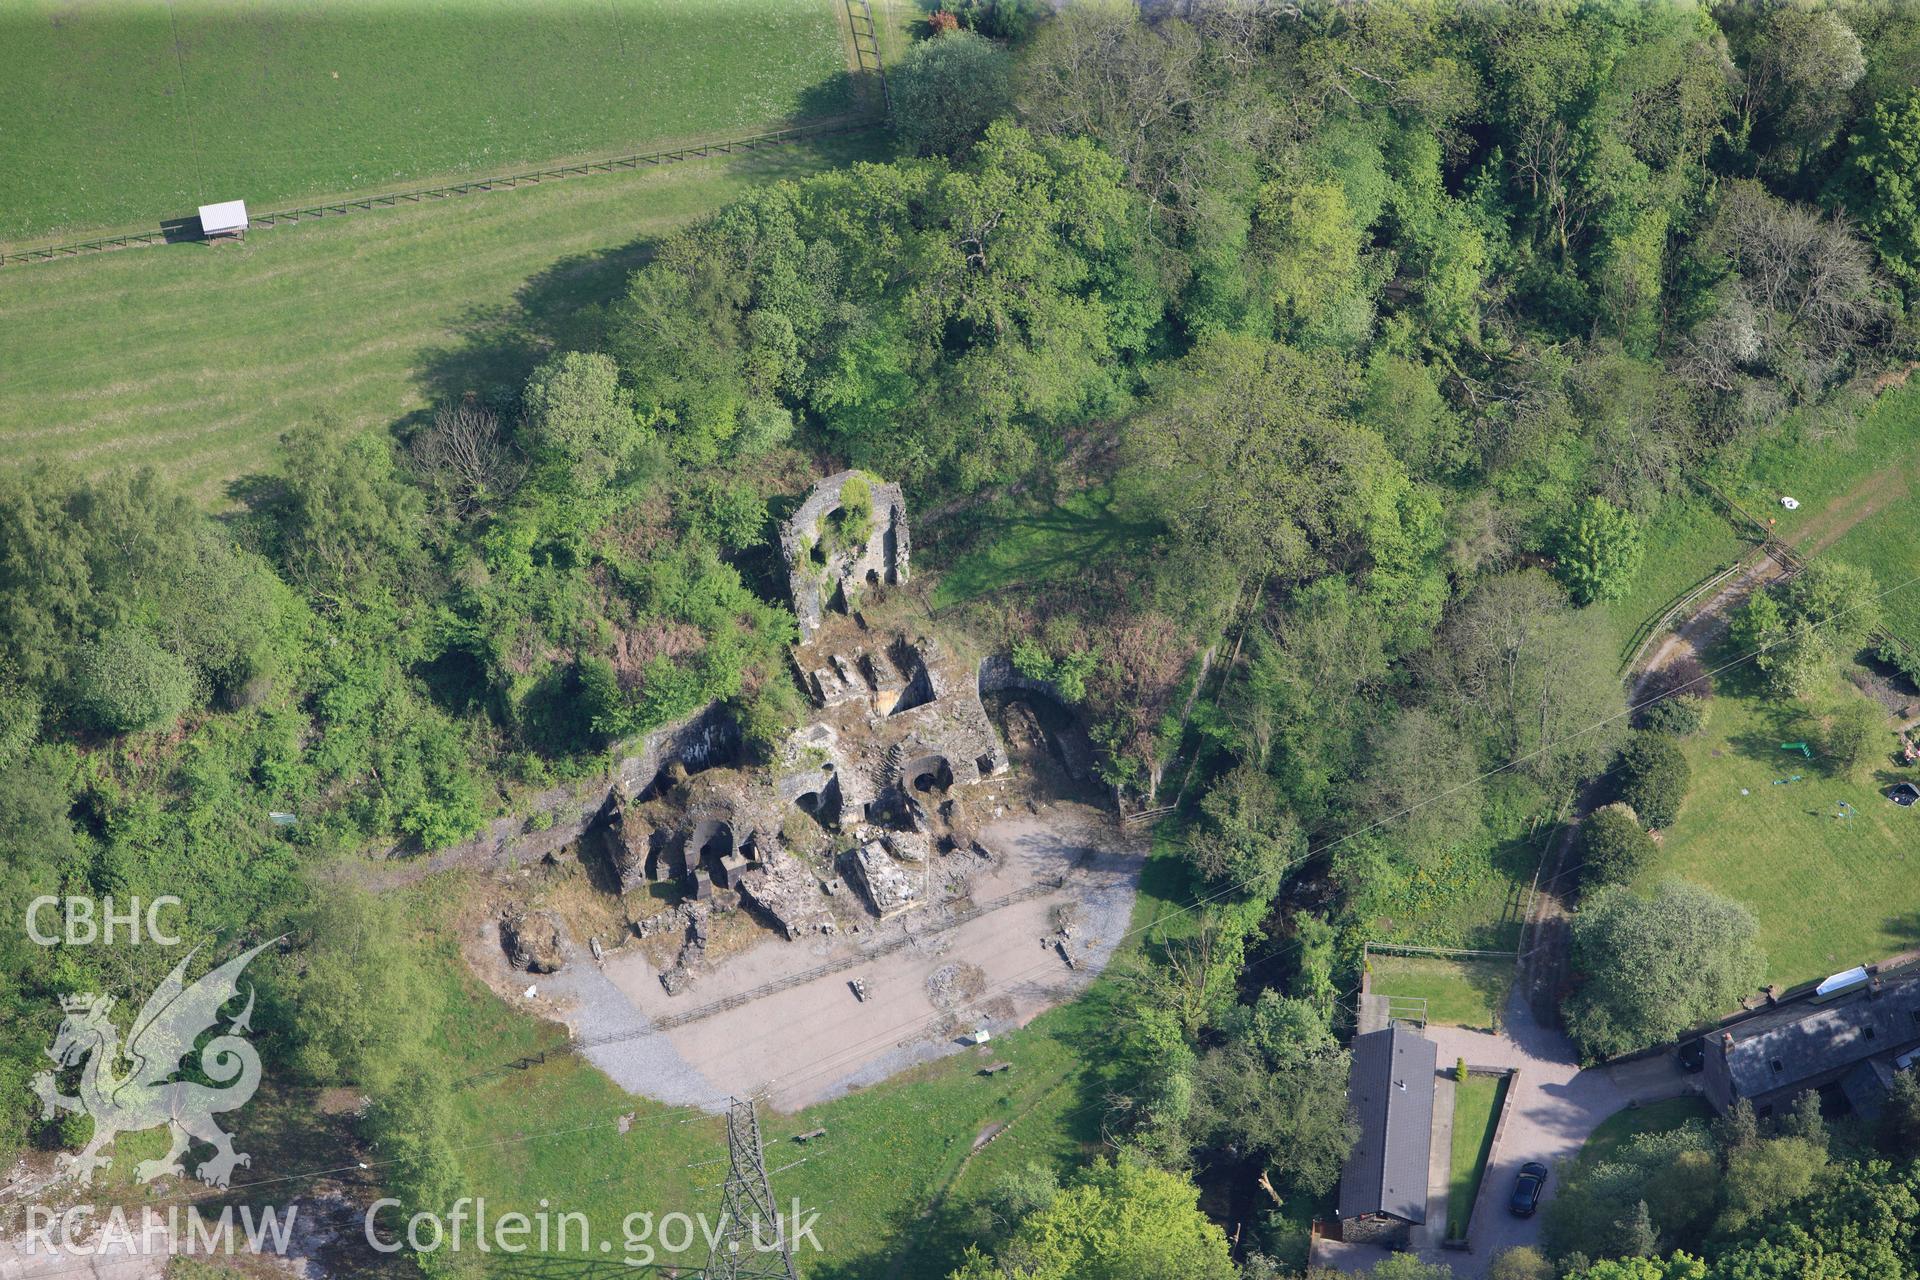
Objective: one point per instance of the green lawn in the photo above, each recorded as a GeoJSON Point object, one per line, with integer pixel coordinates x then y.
{"type": "Point", "coordinates": [1460, 993]}
{"type": "Point", "coordinates": [1652, 1117]}
{"type": "Point", "coordinates": [1828, 894]}
{"type": "Point", "coordinates": [1476, 1109]}
{"type": "Point", "coordinates": [127, 113]}
{"type": "Point", "coordinates": [195, 359]}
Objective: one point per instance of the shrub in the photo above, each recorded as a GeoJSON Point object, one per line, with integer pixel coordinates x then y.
{"type": "Point", "coordinates": [947, 90]}
{"type": "Point", "coordinates": [1656, 778]}
{"type": "Point", "coordinates": [848, 525]}
{"type": "Point", "coordinates": [124, 683]}
{"type": "Point", "coordinates": [1902, 657]}
{"type": "Point", "coordinates": [1523, 1262]}
{"type": "Point", "coordinates": [1686, 676]}
{"type": "Point", "coordinates": [728, 514]}
{"type": "Point", "coordinates": [1678, 717]}
{"type": "Point", "coordinates": [1615, 844]}
{"type": "Point", "coordinates": [1599, 551]}
{"type": "Point", "coordinates": [1006, 19]}
{"type": "Point", "coordinates": [1067, 673]}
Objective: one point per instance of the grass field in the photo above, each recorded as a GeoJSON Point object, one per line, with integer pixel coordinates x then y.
{"type": "Point", "coordinates": [1887, 541]}
{"type": "Point", "coordinates": [1459, 993]}
{"type": "Point", "coordinates": [1870, 480]}
{"type": "Point", "coordinates": [1827, 894]}
{"type": "Point", "coordinates": [1476, 1108]}
{"type": "Point", "coordinates": [196, 359]}
{"type": "Point", "coordinates": [129, 113]}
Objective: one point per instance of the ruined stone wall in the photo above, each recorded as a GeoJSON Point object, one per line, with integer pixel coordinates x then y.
{"type": "Point", "coordinates": [882, 559]}
{"type": "Point", "coordinates": [999, 675]}
{"type": "Point", "coordinates": [707, 737]}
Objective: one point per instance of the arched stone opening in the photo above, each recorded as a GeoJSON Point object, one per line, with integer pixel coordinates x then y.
{"type": "Point", "coordinates": [930, 775]}
{"type": "Point", "coordinates": [709, 846]}
{"type": "Point", "coordinates": [1040, 729]}
{"type": "Point", "coordinates": [822, 804]}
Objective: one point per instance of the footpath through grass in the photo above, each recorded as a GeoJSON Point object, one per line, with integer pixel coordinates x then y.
{"type": "Point", "coordinates": [1859, 499]}
{"type": "Point", "coordinates": [1476, 1109]}
{"type": "Point", "coordinates": [131, 112]}
{"type": "Point", "coordinates": [195, 359]}
{"type": "Point", "coordinates": [1828, 892]}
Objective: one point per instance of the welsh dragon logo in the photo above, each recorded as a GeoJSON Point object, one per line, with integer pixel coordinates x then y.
{"type": "Point", "coordinates": [144, 1095]}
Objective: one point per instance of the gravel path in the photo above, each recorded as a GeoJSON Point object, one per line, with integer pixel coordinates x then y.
{"type": "Point", "coordinates": [807, 1043]}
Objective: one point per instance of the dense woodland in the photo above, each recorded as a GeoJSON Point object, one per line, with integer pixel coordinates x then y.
{"type": "Point", "coordinates": [1386, 328]}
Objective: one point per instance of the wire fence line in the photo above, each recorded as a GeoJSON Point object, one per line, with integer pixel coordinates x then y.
{"type": "Point", "coordinates": [1653, 631]}
{"type": "Point", "coordinates": [1403, 949]}
{"type": "Point", "coordinates": [175, 231]}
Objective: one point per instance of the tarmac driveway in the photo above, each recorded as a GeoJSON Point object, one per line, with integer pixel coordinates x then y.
{"type": "Point", "coordinates": [1552, 1111]}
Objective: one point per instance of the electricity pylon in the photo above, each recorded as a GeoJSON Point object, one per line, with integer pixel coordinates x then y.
{"type": "Point", "coordinates": [747, 1209]}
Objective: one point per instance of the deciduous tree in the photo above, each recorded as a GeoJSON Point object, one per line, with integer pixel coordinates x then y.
{"type": "Point", "coordinates": [1647, 968]}
{"type": "Point", "coordinates": [1598, 551]}
{"type": "Point", "coordinates": [946, 90]}
{"type": "Point", "coordinates": [1116, 1221]}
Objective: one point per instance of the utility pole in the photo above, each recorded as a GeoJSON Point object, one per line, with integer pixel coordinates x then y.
{"type": "Point", "coordinates": [747, 1208]}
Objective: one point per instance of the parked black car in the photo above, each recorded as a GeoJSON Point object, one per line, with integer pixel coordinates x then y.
{"type": "Point", "coordinates": [1693, 1056]}
{"type": "Point", "coordinates": [1527, 1188]}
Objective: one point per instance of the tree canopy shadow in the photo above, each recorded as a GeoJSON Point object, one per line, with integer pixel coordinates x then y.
{"type": "Point", "coordinates": [1083, 534]}
{"type": "Point", "coordinates": [562, 307]}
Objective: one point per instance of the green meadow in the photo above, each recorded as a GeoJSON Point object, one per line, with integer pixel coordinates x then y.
{"type": "Point", "coordinates": [1476, 1110]}
{"type": "Point", "coordinates": [1462, 993]}
{"type": "Point", "coordinates": [195, 359]}
{"type": "Point", "coordinates": [124, 114]}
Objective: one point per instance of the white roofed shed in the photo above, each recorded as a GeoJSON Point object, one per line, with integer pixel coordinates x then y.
{"type": "Point", "coordinates": [228, 218]}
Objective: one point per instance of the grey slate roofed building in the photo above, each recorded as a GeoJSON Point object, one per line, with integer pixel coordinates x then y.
{"type": "Point", "coordinates": [1383, 1188]}
{"type": "Point", "coordinates": [1771, 1059]}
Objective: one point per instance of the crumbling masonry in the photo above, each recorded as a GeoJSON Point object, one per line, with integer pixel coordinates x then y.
{"type": "Point", "coordinates": [848, 534]}
{"type": "Point", "coordinates": [864, 795]}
